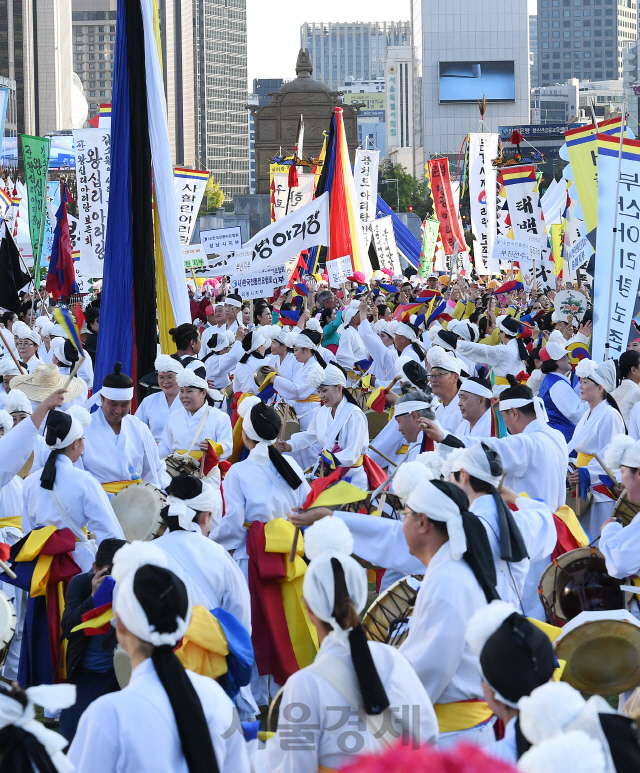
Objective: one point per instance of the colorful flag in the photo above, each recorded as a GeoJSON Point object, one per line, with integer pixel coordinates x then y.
{"type": "Point", "coordinates": [578, 352]}
{"type": "Point", "coordinates": [444, 202]}
{"type": "Point", "coordinates": [405, 311]}
{"type": "Point", "coordinates": [12, 276]}
{"type": "Point", "coordinates": [290, 318]}
{"type": "Point", "coordinates": [332, 491]}
{"type": "Point", "coordinates": [508, 287]}
{"type": "Point", "coordinates": [387, 289]}
{"type": "Point", "coordinates": [35, 152]}
{"type": "Point", "coordinates": [430, 231]}
{"type": "Point", "coordinates": [61, 277]}
{"type": "Point", "coordinates": [483, 149]}
{"type": "Point", "coordinates": [63, 317]}
{"type": "Point", "coordinates": [377, 400]}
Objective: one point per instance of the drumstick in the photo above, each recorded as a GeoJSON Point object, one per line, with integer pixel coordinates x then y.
{"type": "Point", "coordinates": [388, 388]}
{"type": "Point", "coordinates": [386, 458]}
{"type": "Point", "coordinates": [294, 546]}
{"type": "Point", "coordinates": [13, 357]}
{"type": "Point", "coordinates": [605, 468]}
{"type": "Point", "coordinates": [285, 417]}
{"type": "Point", "coordinates": [8, 570]}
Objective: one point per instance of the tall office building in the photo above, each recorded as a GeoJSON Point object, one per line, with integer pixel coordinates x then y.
{"type": "Point", "coordinates": [356, 50]}
{"type": "Point", "coordinates": [464, 49]}
{"type": "Point", "coordinates": [204, 45]}
{"type": "Point", "coordinates": [533, 50]}
{"type": "Point", "coordinates": [35, 52]}
{"type": "Point", "coordinates": [584, 39]}
{"type": "Point", "coordinates": [94, 43]}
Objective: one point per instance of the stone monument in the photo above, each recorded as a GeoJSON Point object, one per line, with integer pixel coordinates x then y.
{"type": "Point", "coordinates": [276, 124]}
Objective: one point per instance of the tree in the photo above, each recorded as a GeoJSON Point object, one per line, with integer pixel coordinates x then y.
{"type": "Point", "coordinates": [213, 197]}
{"type": "Point", "coordinates": [413, 194]}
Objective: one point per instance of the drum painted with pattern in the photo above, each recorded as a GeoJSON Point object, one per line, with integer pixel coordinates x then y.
{"type": "Point", "coordinates": [137, 508]}
{"type": "Point", "coordinates": [177, 463]}
{"type": "Point", "coordinates": [387, 619]}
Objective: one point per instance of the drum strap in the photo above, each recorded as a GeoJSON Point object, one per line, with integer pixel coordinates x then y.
{"type": "Point", "coordinates": [199, 428]}
{"type": "Point", "coordinates": [342, 677]}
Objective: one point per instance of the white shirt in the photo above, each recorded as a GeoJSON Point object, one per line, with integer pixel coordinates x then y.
{"type": "Point", "coordinates": [132, 453]}
{"type": "Point", "coordinates": [82, 497]}
{"type": "Point", "coordinates": [33, 362]}
{"type": "Point", "coordinates": [154, 411]}
{"type": "Point", "coordinates": [296, 388]}
{"type": "Point", "coordinates": [15, 448]}
{"type": "Point", "coordinates": [449, 416]}
{"type": "Point", "coordinates": [506, 748]}
{"type": "Point", "coordinates": [384, 357]}
{"type": "Point", "coordinates": [351, 349]}
{"type": "Point", "coordinates": [327, 734]}
{"type": "Point", "coordinates": [621, 548]}
{"type": "Point", "coordinates": [436, 646]}
{"type": "Point", "coordinates": [219, 366]}
{"type": "Point", "coordinates": [626, 395]}
{"type": "Point", "coordinates": [135, 731]}
{"type": "Point", "coordinates": [179, 431]}
{"type": "Point", "coordinates": [535, 460]}
{"type": "Point", "coordinates": [482, 428]}
{"type": "Point", "coordinates": [243, 378]}
{"type": "Point", "coordinates": [502, 358]}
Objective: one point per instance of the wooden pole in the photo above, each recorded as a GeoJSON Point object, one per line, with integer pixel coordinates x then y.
{"type": "Point", "coordinates": [386, 458]}
{"type": "Point", "coordinates": [10, 350]}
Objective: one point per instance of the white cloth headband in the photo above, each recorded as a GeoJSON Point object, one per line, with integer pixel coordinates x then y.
{"type": "Point", "coordinates": [404, 330]}
{"type": "Point", "coordinates": [111, 393]}
{"type": "Point", "coordinates": [520, 402]}
{"type": "Point", "coordinates": [333, 377]}
{"type": "Point", "coordinates": [209, 500]}
{"type": "Point", "coordinates": [80, 418]}
{"type": "Point", "coordinates": [437, 506]}
{"type": "Point", "coordinates": [409, 406]}
{"type": "Point", "coordinates": [57, 344]}
{"type": "Point", "coordinates": [244, 411]}
{"type": "Point", "coordinates": [304, 342]}
{"type": "Point", "coordinates": [476, 389]}
{"type": "Point", "coordinates": [232, 302]}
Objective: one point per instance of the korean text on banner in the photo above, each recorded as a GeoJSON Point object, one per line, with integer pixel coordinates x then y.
{"type": "Point", "coordinates": [299, 194]}
{"type": "Point", "coordinates": [35, 151]}
{"type": "Point", "coordinates": [194, 256]}
{"type": "Point", "coordinates": [523, 198]}
{"type": "Point", "coordinates": [93, 170]}
{"type": "Point", "coordinates": [285, 239]}
{"type": "Point", "coordinates": [579, 254]}
{"type": "Point", "coordinates": [365, 173]}
{"type": "Point", "coordinates": [218, 244]}
{"type": "Point", "coordinates": [238, 262]}
{"type": "Point", "coordinates": [446, 211]}
{"type": "Point", "coordinates": [430, 229]}
{"type": "Point", "coordinates": [384, 239]}
{"type": "Point", "coordinates": [616, 284]}
{"type": "Point", "coordinates": [189, 185]}
{"type": "Point", "coordinates": [261, 284]}
{"type": "Point", "coordinates": [483, 148]}
{"type": "Point", "coordinates": [339, 270]}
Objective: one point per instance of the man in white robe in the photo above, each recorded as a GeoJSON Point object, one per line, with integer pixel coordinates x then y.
{"type": "Point", "coordinates": [445, 382]}
{"type": "Point", "coordinates": [351, 349]}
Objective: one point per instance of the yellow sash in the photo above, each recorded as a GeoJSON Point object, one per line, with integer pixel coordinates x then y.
{"type": "Point", "coordinates": [12, 520]}
{"type": "Point", "coordinates": [359, 462]}
{"type": "Point", "coordinates": [114, 486]}
{"type": "Point", "coordinates": [304, 636]}
{"type": "Point", "coordinates": [403, 449]}
{"type": "Point", "coordinates": [501, 381]}
{"type": "Point", "coordinates": [322, 769]}
{"type": "Point", "coordinates": [204, 647]}
{"type": "Point", "coordinates": [461, 716]}
{"type": "Point", "coordinates": [197, 454]}
{"type": "Point", "coordinates": [583, 459]}
{"type": "Point", "coordinates": [311, 399]}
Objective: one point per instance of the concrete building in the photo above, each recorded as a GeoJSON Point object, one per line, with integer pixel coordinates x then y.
{"type": "Point", "coordinates": [357, 50]}
{"type": "Point", "coordinates": [371, 119]}
{"type": "Point", "coordinates": [94, 43]}
{"type": "Point", "coordinates": [399, 88]}
{"type": "Point", "coordinates": [11, 115]}
{"type": "Point", "coordinates": [533, 50]}
{"type": "Point", "coordinates": [573, 100]}
{"type": "Point", "coordinates": [584, 39]}
{"type": "Point", "coordinates": [492, 37]}
{"type": "Point", "coordinates": [35, 52]}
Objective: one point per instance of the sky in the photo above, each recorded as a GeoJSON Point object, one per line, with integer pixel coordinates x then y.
{"type": "Point", "coordinates": [273, 28]}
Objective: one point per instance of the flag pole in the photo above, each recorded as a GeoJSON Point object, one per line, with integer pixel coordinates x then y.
{"type": "Point", "coordinates": [10, 350]}
{"type": "Point", "coordinates": [615, 226]}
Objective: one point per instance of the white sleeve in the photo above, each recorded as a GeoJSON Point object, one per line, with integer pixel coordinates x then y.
{"type": "Point", "coordinates": [356, 432]}
{"type": "Point", "coordinates": [229, 360]}
{"type": "Point", "coordinates": [479, 352]}
{"type": "Point", "coordinates": [568, 402]}
{"type": "Point", "coordinates": [537, 527]}
{"type": "Point", "coordinates": [513, 451]}
{"type": "Point", "coordinates": [96, 744]}
{"type": "Point", "coordinates": [345, 356]}
{"type": "Point", "coordinates": [634, 422]}
{"type": "Point", "coordinates": [381, 542]}
{"type": "Point", "coordinates": [231, 532]}
{"type": "Point", "coordinates": [621, 548]}
{"type": "Point", "coordinates": [142, 414]}
{"type": "Point", "coordinates": [611, 425]}
{"type": "Point", "coordinates": [15, 448]}
{"type": "Point", "coordinates": [305, 439]}
{"type": "Point", "coordinates": [223, 433]}
{"type": "Point", "coordinates": [101, 519]}
{"type": "Point", "coordinates": [373, 343]}
{"type": "Point", "coordinates": [165, 446]}
{"type": "Point", "coordinates": [153, 469]}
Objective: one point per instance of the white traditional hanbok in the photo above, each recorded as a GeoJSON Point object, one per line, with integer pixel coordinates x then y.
{"type": "Point", "coordinates": [297, 392]}
{"type": "Point", "coordinates": [346, 435]}
{"type": "Point", "coordinates": [135, 731]}
{"type": "Point", "coordinates": [154, 411]}
{"type": "Point", "coordinates": [595, 430]}
{"type": "Point", "coordinates": [329, 741]}
{"type": "Point", "coordinates": [621, 548]}
{"type": "Point", "coordinates": [243, 378]}
{"type": "Point", "coordinates": [219, 366]}
{"type": "Point", "coordinates": [449, 416]}
{"type": "Point", "coordinates": [384, 357]}
{"type": "Point", "coordinates": [503, 359]}
{"type": "Point", "coordinates": [482, 427]}
{"type": "Point", "coordinates": [11, 509]}
{"type": "Point", "coordinates": [115, 460]}
{"type": "Point", "coordinates": [351, 350]}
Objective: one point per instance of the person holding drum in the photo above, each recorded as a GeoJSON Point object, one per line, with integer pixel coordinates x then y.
{"type": "Point", "coordinates": [166, 718]}
{"type": "Point", "coordinates": [155, 409]}
{"type": "Point", "coordinates": [339, 427]}
{"type": "Point", "coordinates": [119, 449]}
{"type": "Point", "coordinates": [351, 349]}
{"type": "Point", "coordinates": [197, 425]}
{"type": "Point", "coordinates": [595, 430]}
{"type": "Point", "coordinates": [350, 675]}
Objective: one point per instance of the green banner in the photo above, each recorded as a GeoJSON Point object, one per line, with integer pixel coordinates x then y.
{"type": "Point", "coordinates": [430, 231]}
{"type": "Point", "coordinates": [35, 152]}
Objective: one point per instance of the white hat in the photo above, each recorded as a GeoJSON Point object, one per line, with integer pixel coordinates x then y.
{"type": "Point", "coordinates": [58, 331]}
{"type": "Point", "coordinates": [189, 378]}
{"type": "Point", "coordinates": [621, 451]}
{"type": "Point", "coordinates": [349, 313]}
{"type": "Point", "coordinates": [603, 374]}
{"type": "Point", "coordinates": [166, 364]}
{"type": "Point", "coordinates": [313, 324]}
{"type": "Point", "coordinates": [22, 331]}
{"type": "Point", "coordinates": [554, 350]}
{"type": "Point", "coordinates": [6, 421]}
{"type": "Point", "coordinates": [8, 366]}
{"type": "Point", "coordinates": [44, 325]}
{"type": "Point", "coordinates": [574, 751]}
{"type": "Point", "coordinates": [437, 357]}
{"type": "Point", "coordinates": [478, 462]}
{"type": "Point", "coordinates": [57, 346]}
{"type": "Point", "coordinates": [17, 401]}
{"type": "Point", "coordinates": [402, 329]}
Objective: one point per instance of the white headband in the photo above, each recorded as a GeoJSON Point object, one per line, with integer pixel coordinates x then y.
{"type": "Point", "coordinates": [257, 340]}
{"type": "Point", "coordinates": [474, 460]}
{"type": "Point", "coordinates": [437, 506]}
{"type": "Point", "coordinates": [520, 402]}
{"type": "Point", "coordinates": [401, 409]}
{"type": "Point", "coordinates": [166, 364]}
{"type": "Point", "coordinates": [113, 393]}
{"type": "Point", "coordinates": [333, 376]}
{"type": "Point", "coordinates": [232, 302]}
{"type": "Point", "coordinates": [209, 500]}
{"type": "Point", "coordinates": [304, 342]}
{"type": "Point", "coordinates": [476, 389]}
{"type": "Point", "coordinates": [404, 330]}
{"type": "Point", "coordinates": [24, 331]}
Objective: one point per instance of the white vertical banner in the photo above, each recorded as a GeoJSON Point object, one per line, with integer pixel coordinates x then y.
{"type": "Point", "coordinates": [365, 174]}
{"type": "Point", "coordinates": [384, 239]}
{"type": "Point", "coordinates": [189, 185]}
{"type": "Point", "coordinates": [483, 149]}
{"type": "Point", "coordinates": [93, 170]}
{"type": "Point", "coordinates": [298, 195]}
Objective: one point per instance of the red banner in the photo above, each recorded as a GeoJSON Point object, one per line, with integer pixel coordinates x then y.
{"type": "Point", "coordinates": [446, 212]}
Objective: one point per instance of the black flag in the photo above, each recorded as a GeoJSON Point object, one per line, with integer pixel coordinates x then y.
{"type": "Point", "coordinates": [12, 277]}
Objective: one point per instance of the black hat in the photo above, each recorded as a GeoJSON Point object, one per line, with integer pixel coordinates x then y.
{"type": "Point", "coordinates": [417, 375]}
{"type": "Point", "coordinates": [117, 379]}
{"type": "Point", "coordinates": [447, 339]}
{"type": "Point", "coordinates": [185, 486]}
{"type": "Point", "coordinates": [513, 327]}
{"type": "Point", "coordinates": [265, 421]}
{"type": "Point", "coordinates": [516, 391]}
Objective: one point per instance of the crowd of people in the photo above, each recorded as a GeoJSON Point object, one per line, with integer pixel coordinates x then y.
{"type": "Point", "coordinates": [186, 561]}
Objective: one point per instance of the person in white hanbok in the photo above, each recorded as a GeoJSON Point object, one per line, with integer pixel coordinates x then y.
{"type": "Point", "coordinates": [166, 719]}
{"type": "Point", "coordinates": [65, 356]}
{"type": "Point", "coordinates": [119, 449]}
{"type": "Point", "coordinates": [506, 358]}
{"type": "Point", "coordinates": [8, 369]}
{"type": "Point", "coordinates": [474, 402]}
{"type": "Point", "coordinates": [155, 409]}
{"type": "Point", "coordinates": [338, 428]}
{"type": "Point", "coordinates": [379, 342]}
{"type": "Point", "coordinates": [559, 390]}
{"type": "Point", "coordinates": [628, 393]}
{"type": "Point", "coordinates": [349, 676]}
{"type": "Point", "coordinates": [224, 351]}
{"type": "Point", "coordinates": [297, 391]}
{"type": "Point", "coordinates": [85, 371]}
{"type": "Point", "coordinates": [28, 342]}
{"type": "Point", "coordinates": [45, 327]}
{"type": "Point", "coordinates": [445, 382]}
{"type": "Point", "coordinates": [593, 433]}
{"type": "Point", "coordinates": [352, 354]}
{"type": "Point", "coordinates": [254, 346]}
{"type": "Point", "coordinates": [186, 337]}
{"type": "Point", "coordinates": [621, 545]}
{"type": "Point", "coordinates": [406, 341]}
{"type": "Point", "coordinates": [20, 407]}
{"type": "Point", "coordinates": [63, 495]}
{"type": "Point", "coordinates": [515, 658]}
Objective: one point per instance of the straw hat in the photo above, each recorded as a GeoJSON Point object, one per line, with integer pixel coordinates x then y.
{"type": "Point", "coordinates": [44, 381]}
